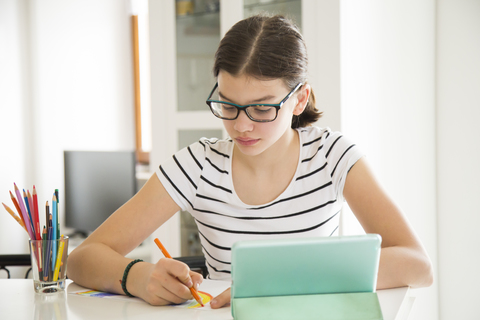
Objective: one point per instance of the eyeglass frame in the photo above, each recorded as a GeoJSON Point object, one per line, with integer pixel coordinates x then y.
{"type": "Point", "coordinates": [244, 107]}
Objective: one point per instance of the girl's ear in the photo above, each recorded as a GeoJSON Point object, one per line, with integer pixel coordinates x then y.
{"type": "Point", "coordinates": [302, 99]}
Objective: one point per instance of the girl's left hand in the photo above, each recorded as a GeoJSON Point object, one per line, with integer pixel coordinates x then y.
{"type": "Point", "coordinates": [222, 300]}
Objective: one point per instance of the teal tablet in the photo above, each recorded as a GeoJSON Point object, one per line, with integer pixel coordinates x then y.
{"type": "Point", "coordinates": [303, 266]}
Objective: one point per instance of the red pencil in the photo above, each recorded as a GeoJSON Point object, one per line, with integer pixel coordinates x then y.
{"type": "Point", "coordinates": [35, 213]}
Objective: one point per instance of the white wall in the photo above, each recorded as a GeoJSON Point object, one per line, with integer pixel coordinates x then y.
{"type": "Point", "coordinates": [13, 102]}
{"type": "Point", "coordinates": [458, 157]}
{"type": "Point", "coordinates": [321, 31]}
{"type": "Point", "coordinates": [163, 96]}
{"type": "Point", "coordinates": [388, 109]}
{"type": "Point", "coordinates": [411, 73]}
{"type": "Point", "coordinates": [66, 83]}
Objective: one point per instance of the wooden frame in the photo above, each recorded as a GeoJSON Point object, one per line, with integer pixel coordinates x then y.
{"type": "Point", "coordinates": [142, 156]}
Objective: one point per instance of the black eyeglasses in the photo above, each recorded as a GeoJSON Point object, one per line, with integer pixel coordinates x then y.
{"type": "Point", "coordinates": [256, 112]}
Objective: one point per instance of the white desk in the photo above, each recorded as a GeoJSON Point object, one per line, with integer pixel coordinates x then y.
{"type": "Point", "coordinates": [19, 301]}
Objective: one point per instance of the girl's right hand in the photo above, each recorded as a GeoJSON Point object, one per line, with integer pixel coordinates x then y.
{"type": "Point", "coordinates": [166, 282]}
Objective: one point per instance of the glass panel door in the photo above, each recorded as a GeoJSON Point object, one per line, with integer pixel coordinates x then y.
{"type": "Point", "coordinates": [290, 8]}
{"type": "Point", "coordinates": [197, 39]}
{"type": "Point", "coordinates": [197, 36]}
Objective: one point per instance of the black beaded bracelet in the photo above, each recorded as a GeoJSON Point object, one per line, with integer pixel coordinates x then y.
{"type": "Point", "coordinates": [125, 274]}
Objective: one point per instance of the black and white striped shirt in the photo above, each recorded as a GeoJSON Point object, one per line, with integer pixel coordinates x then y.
{"type": "Point", "coordinates": [199, 180]}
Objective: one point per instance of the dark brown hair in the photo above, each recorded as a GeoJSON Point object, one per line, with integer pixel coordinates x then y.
{"type": "Point", "coordinates": [268, 47]}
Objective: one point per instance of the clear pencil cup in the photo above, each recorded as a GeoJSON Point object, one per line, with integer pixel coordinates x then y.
{"type": "Point", "coordinates": [49, 264]}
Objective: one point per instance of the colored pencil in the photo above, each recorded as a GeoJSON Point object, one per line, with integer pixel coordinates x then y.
{"type": "Point", "coordinates": [35, 213]}
{"type": "Point", "coordinates": [46, 271]}
{"type": "Point", "coordinates": [35, 228]}
{"type": "Point", "coordinates": [14, 216]}
{"type": "Point", "coordinates": [44, 242]}
{"type": "Point", "coordinates": [59, 260]}
{"type": "Point", "coordinates": [167, 255]}
{"type": "Point", "coordinates": [47, 214]}
{"type": "Point", "coordinates": [31, 213]}
{"type": "Point", "coordinates": [24, 213]}
{"type": "Point", "coordinates": [39, 258]}
{"type": "Point", "coordinates": [30, 205]}
{"type": "Point", "coordinates": [58, 220]}
{"type": "Point", "coordinates": [24, 218]}
{"type": "Point", "coordinates": [54, 229]}
{"type": "Point", "coordinates": [27, 205]}
{"type": "Point", "coordinates": [17, 207]}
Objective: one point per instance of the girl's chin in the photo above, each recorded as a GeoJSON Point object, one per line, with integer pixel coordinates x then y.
{"type": "Point", "coordinates": [252, 150]}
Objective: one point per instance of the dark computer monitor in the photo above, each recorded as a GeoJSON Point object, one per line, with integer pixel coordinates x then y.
{"type": "Point", "coordinates": [96, 184]}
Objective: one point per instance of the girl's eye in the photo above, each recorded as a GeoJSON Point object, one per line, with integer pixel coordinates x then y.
{"type": "Point", "coordinates": [227, 107]}
{"type": "Point", "coordinates": [262, 109]}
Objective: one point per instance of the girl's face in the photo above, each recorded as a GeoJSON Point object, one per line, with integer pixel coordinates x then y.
{"type": "Point", "coordinates": [253, 138]}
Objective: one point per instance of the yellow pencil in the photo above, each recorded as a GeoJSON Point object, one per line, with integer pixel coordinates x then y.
{"type": "Point", "coordinates": [59, 260]}
{"type": "Point", "coordinates": [20, 222]}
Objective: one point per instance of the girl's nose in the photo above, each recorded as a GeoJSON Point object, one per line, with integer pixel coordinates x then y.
{"type": "Point", "coordinates": [243, 122]}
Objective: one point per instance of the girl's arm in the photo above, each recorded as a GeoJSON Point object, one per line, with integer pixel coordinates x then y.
{"type": "Point", "coordinates": [403, 259]}
{"type": "Point", "coordinates": [99, 262]}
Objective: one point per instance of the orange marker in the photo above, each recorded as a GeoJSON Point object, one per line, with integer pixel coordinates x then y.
{"type": "Point", "coordinates": [167, 255]}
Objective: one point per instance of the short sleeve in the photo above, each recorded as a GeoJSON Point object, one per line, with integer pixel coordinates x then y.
{"type": "Point", "coordinates": [341, 154]}
{"type": "Point", "coordinates": [180, 174]}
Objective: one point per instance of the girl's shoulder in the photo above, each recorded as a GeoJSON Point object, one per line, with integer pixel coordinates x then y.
{"type": "Point", "coordinates": [207, 146]}
{"type": "Point", "coordinates": [314, 135]}
{"type": "Point", "coordinates": [316, 140]}
{"type": "Point", "coordinates": [313, 130]}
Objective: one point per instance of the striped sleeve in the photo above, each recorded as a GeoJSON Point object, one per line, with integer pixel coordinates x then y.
{"type": "Point", "coordinates": [341, 154]}
{"type": "Point", "coordinates": [181, 173]}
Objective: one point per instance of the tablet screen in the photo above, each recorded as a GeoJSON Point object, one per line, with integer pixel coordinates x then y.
{"type": "Point", "coordinates": [305, 266]}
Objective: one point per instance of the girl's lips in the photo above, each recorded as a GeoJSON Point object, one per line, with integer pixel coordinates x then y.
{"type": "Point", "coordinates": [246, 141]}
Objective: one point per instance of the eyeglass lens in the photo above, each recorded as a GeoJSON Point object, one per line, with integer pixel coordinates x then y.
{"type": "Point", "coordinates": [258, 112]}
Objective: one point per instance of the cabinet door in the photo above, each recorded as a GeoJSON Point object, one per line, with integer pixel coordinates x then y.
{"type": "Point", "coordinates": [290, 8]}
{"type": "Point", "coordinates": [197, 38]}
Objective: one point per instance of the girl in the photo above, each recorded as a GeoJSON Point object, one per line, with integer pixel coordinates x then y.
{"type": "Point", "coordinates": [276, 176]}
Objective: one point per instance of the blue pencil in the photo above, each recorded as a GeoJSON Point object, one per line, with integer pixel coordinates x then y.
{"type": "Point", "coordinates": [54, 230]}
{"type": "Point", "coordinates": [29, 213]}
{"type": "Point", "coordinates": [58, 222]}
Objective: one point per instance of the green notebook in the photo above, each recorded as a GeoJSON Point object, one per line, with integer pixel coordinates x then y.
{"type": "Point", "coordinates": [306, 278]}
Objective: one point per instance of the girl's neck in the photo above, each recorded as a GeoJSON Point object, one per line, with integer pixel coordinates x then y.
{"type": "Point", "coordinates": [283, 152]}
{"type": "Point", "coordinates": [262, 178]}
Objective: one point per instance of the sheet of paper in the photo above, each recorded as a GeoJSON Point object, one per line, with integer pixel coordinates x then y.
{"type": "Point", "coordinates": [207, 290]}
